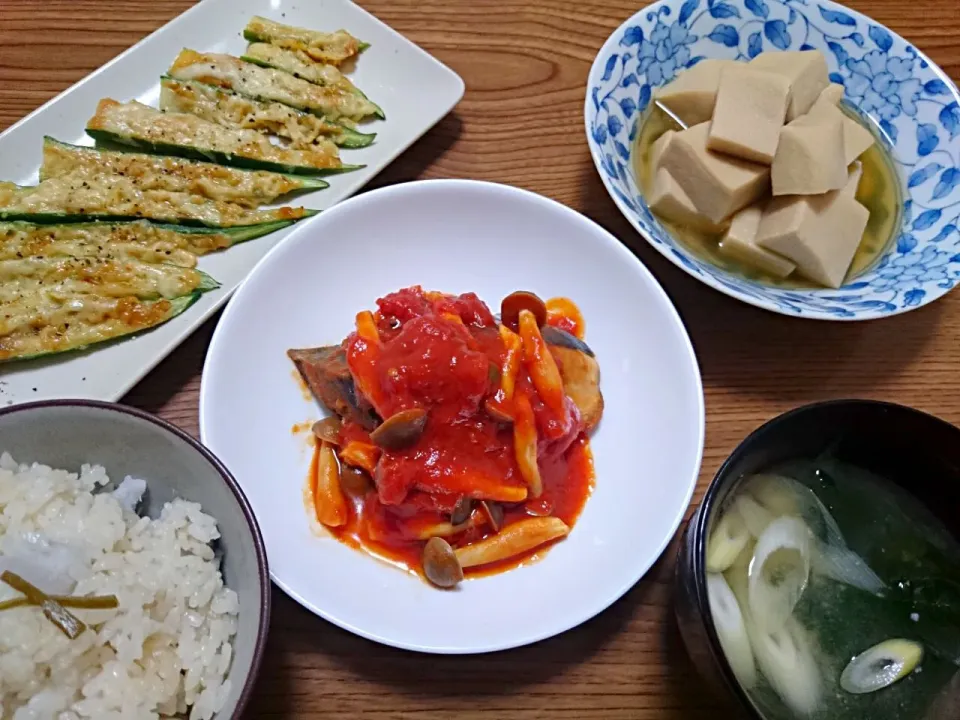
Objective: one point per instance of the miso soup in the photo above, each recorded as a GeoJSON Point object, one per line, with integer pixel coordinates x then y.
{"type": "Point", "coordinates": [836, 595]}
{"type": "Point", "coordinates": [879, 191]}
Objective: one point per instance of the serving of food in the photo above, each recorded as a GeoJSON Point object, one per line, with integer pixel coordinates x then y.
{"type": "Point", "coordinates": [104, 613]}
{"type": "Point", "coordinates": [204, 135]}
{"type": "Point", "coordinates": [435, 422]}
{"type": "Point", "coordinates": [765, 174]}
{"type": "Point", "coordinates": [457, 441]}
{"type": "Point", "coordinates": [821, 572]}
{"type": "Point", "coordinates": [811, 624]}
{"type": "Point", "coordinates": [752, 147]}
{"type": "Point", "coordinates": [122, 597]}
{"type": "Point", "coordinates": [214, 166]}
{"type": "Point", "coordinates": [467, 417]}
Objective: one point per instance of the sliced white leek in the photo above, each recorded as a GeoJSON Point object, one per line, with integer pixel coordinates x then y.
{"type": "Point", "coordinates": [781, 495]}
{"type": "Point", "coordinates": [786, 659]}
{"type": "Point", "coordinates": [881, 666]}
{"type": "Point", "coordinates": [731, 629]}
{"type": "Point", "coordinates": [776, 493]}
{"type": "Point", "coordinates": [728, 539]}
{"type": "Point", "coordinates": [779, 572]}
{"type": "Point", "coordinates": [845, 566]}
{"type": "Point", "coordinates": [834, 536]}
{"type": "Point", "coordinates": [831, 557]}
{"type": "Point", "coordinates": [755, 515]}
{"type": "Point", "coordinates": [738, 577]}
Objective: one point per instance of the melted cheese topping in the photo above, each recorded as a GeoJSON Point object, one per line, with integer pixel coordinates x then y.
{"type": "Point", "coordinates": [94, 276]}
{"type": "Point", "coordinates": [331, 48]}
{"type": "Point", "coordinates": [68, 286]}
{"type": "Point", "coordinates": [8, 191]}
{"type": "Point", "coordinates": [297, 62]}
{"type": "Point", "coordinates": [140, 122]}
{"type": "Point", "coordinates": [171, 174]}
{"type": "Point", "coordinates": [49, 321]}
{"type": "Point", "coordinates": [270, 85]}
{"type": "Point", "coordinates": [88, 192]}
{"type": "Point", "coordinates": [223, 107]}
{"type": "Point", "coordinates": [129, 241]}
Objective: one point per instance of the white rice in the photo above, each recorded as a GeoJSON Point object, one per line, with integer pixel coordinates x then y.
{"type": "Point", "coordinates": [164, 652]}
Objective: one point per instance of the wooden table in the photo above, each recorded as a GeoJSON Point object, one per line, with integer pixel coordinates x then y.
{"type": "Point", "coordinates": [521, 122]}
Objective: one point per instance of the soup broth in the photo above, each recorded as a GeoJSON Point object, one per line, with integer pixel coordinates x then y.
{"type": "Point", "coordinates": [879, 191]}
{"type": "Point", "coordinates": [880, 566]}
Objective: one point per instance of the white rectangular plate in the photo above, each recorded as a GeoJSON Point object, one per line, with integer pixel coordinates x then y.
{"type": "Point", "coordinates": [414, 89]}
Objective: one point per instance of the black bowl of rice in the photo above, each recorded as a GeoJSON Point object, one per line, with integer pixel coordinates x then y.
{"type": "Point", "coordinates": [133, 576]}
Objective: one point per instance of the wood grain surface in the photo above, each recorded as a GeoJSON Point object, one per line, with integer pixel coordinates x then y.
{"type": "Point", "coordinates": [525, 66]}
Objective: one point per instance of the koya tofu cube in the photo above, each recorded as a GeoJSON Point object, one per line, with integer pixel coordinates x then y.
{"type": "Point", "coordinates": [853, 180]}
{"type": "Point", "coordinates": [810, 156]}
{"type": "Point", "coordinates": [819, 233]}
{"type": "Point", "coordinates": [751, 106]}
{"type": "Point", "coordinates": [668, 200]}
{"type": "Point", "coordinates": [807, 72]}
{"type": "Point", "coordinates": [693, 94]}
{"type": "Point", "coordinates": [856, 138]}
{"type": "Point", "coordinates": [718, 185]}
{"type": "Point", "coordinates": [740, 244]}
{"type": "Point", "coordinates": [832, 93]}
{"type": "Point", "coordinates": [656, 150]}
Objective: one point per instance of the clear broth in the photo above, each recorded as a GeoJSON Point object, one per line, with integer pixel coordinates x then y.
{"type": "Point", "coordinates": [917, 558]}
{"type": "Point", "coordinates": [879, 191]}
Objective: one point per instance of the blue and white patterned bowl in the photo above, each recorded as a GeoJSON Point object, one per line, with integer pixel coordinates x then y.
{"type": "Point", "coordinates": [912, 101]}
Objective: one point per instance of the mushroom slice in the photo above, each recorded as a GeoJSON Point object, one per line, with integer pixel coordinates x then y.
{"type": "Point", "coordinates": [440, 563]}
{"type": "Point", "coordinates": [513, 540]}
{"type": "Point", "coordinates": [328, 430]}
{"type": "Point", "coordinates": [461, 511]}
{"type": "Point", "coordinates": [494, 514]}
{"type": "Point", "coordinates": [330, 505]}
{"type": "Point", "coordinates": [401, 430]}
{"type": "Point", "coordinates": [515, 302]}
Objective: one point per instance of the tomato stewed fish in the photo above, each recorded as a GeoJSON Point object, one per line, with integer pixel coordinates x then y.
{"type": "Point", "coordinates": [458, 441]}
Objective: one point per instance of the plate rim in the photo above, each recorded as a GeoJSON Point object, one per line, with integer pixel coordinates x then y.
{"type": "Point", "coordinates": [757, 302]}
{"type": "Point", "coordinates": [632, 578]}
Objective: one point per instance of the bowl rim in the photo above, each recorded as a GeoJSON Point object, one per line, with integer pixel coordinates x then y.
{"type": "Point", "coordinates": [698, 525]}
{"type": "Point", "coordinates": [263, 572]}
{"type": "Point", "coordinates": [762, 303]}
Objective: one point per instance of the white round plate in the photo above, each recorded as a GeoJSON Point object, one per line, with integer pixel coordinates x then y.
{"type": "Point", "coordinates": [458, 236]}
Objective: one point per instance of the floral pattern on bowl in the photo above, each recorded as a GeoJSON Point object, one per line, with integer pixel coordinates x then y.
{"type": "Point", "coordinates": [913, 103]}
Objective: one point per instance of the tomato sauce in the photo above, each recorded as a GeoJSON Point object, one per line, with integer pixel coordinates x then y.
{"type": "Point", "coordinates": [444, 354]}
{"type": "Point", "coordinates": [563, 313]}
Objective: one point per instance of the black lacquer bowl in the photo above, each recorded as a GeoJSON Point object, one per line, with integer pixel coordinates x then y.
{"type": "Point", "coordinates": [917, 451]}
